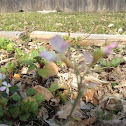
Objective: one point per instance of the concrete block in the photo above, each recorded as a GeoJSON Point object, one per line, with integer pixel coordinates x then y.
{"type": "Point", "coordinates": [88, 39]}
{"type": "Point", "coordinates": [12, 35]}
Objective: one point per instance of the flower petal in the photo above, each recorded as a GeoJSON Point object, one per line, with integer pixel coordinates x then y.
{"type": "Point", "coordinates": [4, 83]}
{"type": "Point", "coordinates": [59, 44]}
{"type": "Point", "coordinates": [7, 90]}
{"type": "Point", "coordinates": [2, 88]}
{"type": "Point", "coordinates": [108, 49]}
{"type": "Point", "coordinates": [88, 57]}
{"type": "Point", "coordinates": [9, 85]}
{"type": "Point", "coordinates": [48, 56]}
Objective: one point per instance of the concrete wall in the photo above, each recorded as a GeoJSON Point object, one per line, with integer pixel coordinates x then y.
{"type": "Point", "coordinates": [65, 5]}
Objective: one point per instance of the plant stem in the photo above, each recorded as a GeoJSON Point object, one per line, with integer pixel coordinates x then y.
{"type": "Point", "coordinates": [79, 82]}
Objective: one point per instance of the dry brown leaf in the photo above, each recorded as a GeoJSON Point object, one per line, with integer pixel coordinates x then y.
{"type": "Point", "coordinates": [112, 103]}
{"type": "Point", "coordinates": [24, 70]}
{"type": "Point", "coordinates": [65, 111]}
{"type": "Point", "coordinates": [87, 122]}
{"type": "Point", "coordinates": [44, 92]}
{"type": "Point", "coordinates": [91, 79]}
{"type": "Point", "coordinates": [16, 77]}
{"type": "Point", "coordinates": [55, 101]}
{"type": "Point", "coordinates": [43, 113]}
{"type": "Point", "coordinates": [71, 123]}
{"type": "Point", "coordinates": [90, 96]}
{"type": "Point", "coordinates": [52, 69]}
{"type": "Point", "coordinates": [122, 84]}
{"type": "Point", "coordinates": [114, 122]}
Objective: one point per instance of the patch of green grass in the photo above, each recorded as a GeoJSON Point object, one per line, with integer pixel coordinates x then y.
{"type": "Point", "coordinates": [25, 38]}
{"type": "Point", "coordinates": [64, 22]}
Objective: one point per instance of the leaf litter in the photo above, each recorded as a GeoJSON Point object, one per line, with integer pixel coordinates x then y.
{"type": "Point", "coordinates": [101, 105]}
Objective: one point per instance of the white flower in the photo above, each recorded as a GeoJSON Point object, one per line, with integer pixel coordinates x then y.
{"type": "Point", "coordinates": [5, 87]}
{"type": "Point", "coordinates": [2, 76]}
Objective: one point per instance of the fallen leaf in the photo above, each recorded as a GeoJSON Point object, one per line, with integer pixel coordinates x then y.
{"type": "Point", "coordinates": [86, 122]}
{"type": "Point", "coordinates": [90, 97]}
{"type": "Point", "coordinates": [44, 92]}
{"type": "Point", "coordinates": [71, 123]}
{"type": "Point", "coordinates": [24, 70]}
{"type": "Point", "coordinates": [43, 113]}
{"type": "Point", "coordinates": [66, 109]}
{"type": "Point", "coordinates": [16, 77]}
{"type": "Point", "coordinates": [49, 70]}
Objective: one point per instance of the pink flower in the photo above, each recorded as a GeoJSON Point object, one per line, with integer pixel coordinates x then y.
{"type": "Point", "coordinates": [59, 44]}
{"type": "Point", "coordinates": [108, 49]}
{"type": "Point", "coordinates": [48, 56]}
{"type": "Point", "coordinates": [5, 87]}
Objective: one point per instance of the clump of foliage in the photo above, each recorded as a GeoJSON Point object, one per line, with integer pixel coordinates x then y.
{"type": "Point", "coordinates": [111, 64]}
{"type": "Point", "coordinates": [7, 45]}
{"type": "Point", "coordinates": [16, 109]}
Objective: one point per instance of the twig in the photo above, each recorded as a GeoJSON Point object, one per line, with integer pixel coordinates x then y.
{"type": "Point", "coordinates": [6, 60]}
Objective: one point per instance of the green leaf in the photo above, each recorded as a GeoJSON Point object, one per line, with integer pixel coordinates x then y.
{"type": "Point", "coordinates": [103, 62]}
{"type": "Point", "coordinates": [43, 73]}
{"type": "Point", "coordinates": [116, 61]}
{"type": "Point", "coordinates": [109, 64]}
{"type": "Point", "coordinates": [26, 56]}
{"type": "Point", "coordinates": [32, 67]}
{"type": "Point", "coordinates": [34, 107]}
{"type": "Point", "coordinates": [3, 101]}
{"type": "Point", "coordinates": [34, 53]}
{"type": "Point", "coordinates": [10, 47]}
{"type": "Point", "coordinates": [7, 122]}
{"type": "Point", "coordinates": [10, 66]}
{"type": "Point", "coordinates": [26, 59]}
{"type": "Point", "coordinates": [39, 97]}
{"type": "Point", "coordinates": [14, 111]}
{"type": "Point", "coordinates": [53, 87]}
{"type": "Point", "coordinates": [15, 97]}
{"type": "Point", "coordinates": [3, 43]}
{"type": "Point", "coordinates": [3, 70]}
{"type": "Point", "coordinates": [30, 92]}
{"type": "Point", "coordinates": [1, 111]}
{"type": "Point", "coordinates": [42, 48]}
{"type": "Point", "coordinates": [13, 89]}
{"type": "Point", "coordinates": [24, 117]}
{"type": "Point", "coordinates": [18, 51]}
